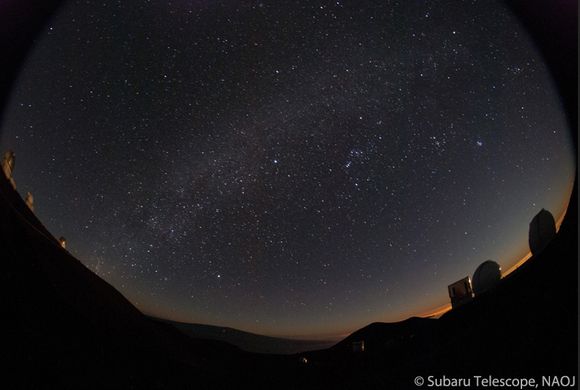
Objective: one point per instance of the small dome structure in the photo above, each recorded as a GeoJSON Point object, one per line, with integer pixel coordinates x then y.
{"type": "Point", "coordinates": [542, 231]}
{"type": "Point", "coordinates": [8, 166]}
{"type": "Point", "coordinates": [486, 276]}
{"type": "Point", "coordinates": [8, 163]}
{"type": "Point", "coordinates": [29, 201]}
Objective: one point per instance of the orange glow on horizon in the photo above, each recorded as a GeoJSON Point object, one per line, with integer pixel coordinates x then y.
{"type": "Point", "coordinates": [517, 265]}
{"type": "Point", "coordinates": [436, 312]}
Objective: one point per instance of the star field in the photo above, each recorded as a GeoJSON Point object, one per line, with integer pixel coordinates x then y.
{"type": "Point", "coordinates": [288, 167]}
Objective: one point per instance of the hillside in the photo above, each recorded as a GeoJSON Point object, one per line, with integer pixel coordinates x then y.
{"type": "Point", "coordinates": [66, 324]}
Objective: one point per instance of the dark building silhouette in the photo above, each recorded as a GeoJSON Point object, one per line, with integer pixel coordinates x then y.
{"type": "Point", "coordinates": [486, 276]}
{"type": "Point", "coordinates": [460, 292]}
{"type": "Point", "coordinates": [542, 231]}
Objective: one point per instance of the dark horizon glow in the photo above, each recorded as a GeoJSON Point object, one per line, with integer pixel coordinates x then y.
{"type": "Point", "coordinates": [286, 169]}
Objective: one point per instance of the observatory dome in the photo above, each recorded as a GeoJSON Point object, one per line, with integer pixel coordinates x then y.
{"type": "Point", "coordinates": [486, 276]}
{"type": "Point", "coordinates": [542, 230]}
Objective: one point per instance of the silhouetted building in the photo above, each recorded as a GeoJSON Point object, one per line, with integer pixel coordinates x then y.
{"type": "Point", "coordinates": [358, 346]}
{"type": "Point", "coordinates": [460, 292]}
{"type": "Point", "coordinates": [29, 201]}
{"type": "Point", "coordinates": [62, 242]}
{"type": "Point", "coordinates": [8, 164]}
{"type": "Point", "coordinates": [542, 231]}
{"type": "Point", "coordinates": [486, 276]}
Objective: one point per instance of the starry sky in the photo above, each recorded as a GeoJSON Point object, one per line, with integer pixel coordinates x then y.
{"type": "Point", "coordinates": [288, 168]}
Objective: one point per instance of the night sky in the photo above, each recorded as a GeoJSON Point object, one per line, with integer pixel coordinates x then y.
{"type": "Point", "coordinates": [288, 167]}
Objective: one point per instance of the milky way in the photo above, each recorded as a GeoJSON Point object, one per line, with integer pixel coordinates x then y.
{"type": "Point", "coordinates": [288, 168]}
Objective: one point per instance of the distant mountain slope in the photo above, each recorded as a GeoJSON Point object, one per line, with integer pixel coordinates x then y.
{"type": "Point", "coordinates": [249, 341]}
{"type": "Point", "coordinates": [388, 335]}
